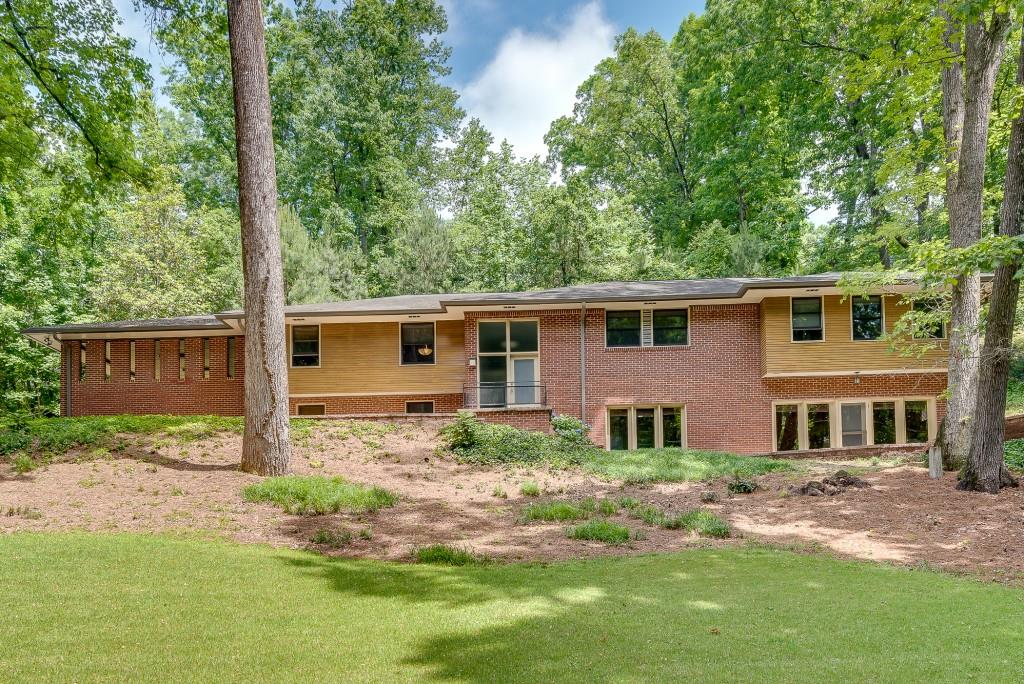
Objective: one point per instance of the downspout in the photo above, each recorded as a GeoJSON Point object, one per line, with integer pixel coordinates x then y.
{"type": "Point", "coordinates": [583, 362]}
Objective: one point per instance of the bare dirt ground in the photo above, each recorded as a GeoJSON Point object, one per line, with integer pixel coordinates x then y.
{"type": "Point", "coordinates": [157, 485]}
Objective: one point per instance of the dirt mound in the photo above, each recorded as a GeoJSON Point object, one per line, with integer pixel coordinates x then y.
{"type": "Point", "coordinates": [837, 483]}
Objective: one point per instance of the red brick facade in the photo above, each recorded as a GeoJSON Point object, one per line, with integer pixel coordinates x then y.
{"type": "Point", "coordinates": [717, 377]}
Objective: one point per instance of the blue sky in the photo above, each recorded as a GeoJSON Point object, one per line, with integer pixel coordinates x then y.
{"type": "Point", "coordinates": [516, 64]}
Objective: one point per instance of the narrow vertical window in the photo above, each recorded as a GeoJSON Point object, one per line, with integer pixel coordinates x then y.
{"type": "Point", "coordinates": [206, 358]}
{"type": "Point", "coordinates": [852, 421]}
{"type": "Point", "coordinates": [131, 361]}
{"type": "Point", "coordinates": [81, 361]}
{"type": "Point", "coordinates": [106, 362]}
{"type": "Point", "coordinates": [645, 436]}
{"type": "Point", "coordinates": [156, 359]}
{"type": "Point", "coordinates": [618, 429]}
{"type": "Point", "coordinates": [671, 427]}
{"type": "Point", "coordinates": [787, 430]}
{"type": "Point", "coordinates": [807, 320]}
{"type": "Point", "coordinates": [231, 357]}
{"type": "Point", "coordinates": [883, 421]}
{"type": "Point", "coordinates": [818, 426]}
{"type": "Point", "coordinates": [916, 421]}
{"type": "Point", "coordinates": [181, 358]}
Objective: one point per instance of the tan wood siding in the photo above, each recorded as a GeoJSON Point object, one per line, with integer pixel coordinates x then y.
{"type": "Point", "coordinates": [839, 352]}
{"type": "Point", "coordinates": [364, 358]}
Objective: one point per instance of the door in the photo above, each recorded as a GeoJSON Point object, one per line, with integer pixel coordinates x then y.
{"type": "Point", "coordinates": [524, 378]}
{"type": "Point", "coordinates": [493, 381]}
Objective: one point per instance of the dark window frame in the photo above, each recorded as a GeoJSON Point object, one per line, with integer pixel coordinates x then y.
{"type": "Point", "coordinates": [106, 361]}
{"type": "Point", "coordinates": [230, 358]}
{"type": "Point", "coordinates": [156, 359]}
{"type": "Point", "coordinates": [182, 358]}
{"type": "Point", "coordinates": [83, 360]}
{"type": "Point", "coordinates": [821, 320]}
{"type": "Point", "coordinates": [422, 403]}
{"type": "Point", "coordinates": [303, 355]}
{"type": "Point", "coordinates": [299, 407]}
{"type": "Point", "coordinates": [685, 313]}
{"type": "Point", "coordinates": [864, 301]}
{"type": "Point", "coordinates": [409, 352]}
{"type": "Point", "coordinates": [608, 315]}
{"type": "Point", "coordinates": [131, 361]}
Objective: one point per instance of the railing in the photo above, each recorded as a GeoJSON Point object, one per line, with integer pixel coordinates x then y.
{"type": "Point", "coordinates": [503, 394]}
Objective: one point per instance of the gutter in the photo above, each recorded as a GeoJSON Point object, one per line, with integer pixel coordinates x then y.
{"type": "Point", "coordinates": [583, 362]}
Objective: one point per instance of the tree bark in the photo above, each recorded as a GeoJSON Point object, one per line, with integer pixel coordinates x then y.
{"type": "Point", "coordinates": [967, 90]}
{"type": "Point", "coordinates": [985, 469]}
{"type": "Point", "coordinates": [265, 446]}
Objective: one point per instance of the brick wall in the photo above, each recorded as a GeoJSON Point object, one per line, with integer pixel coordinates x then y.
{"type": "Point", "coordinates": [538, 420]}
{"type": "Point", "coordinates": [218, 395]}
{"type": "Point", "coordinates": [443, 403]}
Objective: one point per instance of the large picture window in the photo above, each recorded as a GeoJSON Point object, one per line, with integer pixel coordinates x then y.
{"type": "Point", "coordinates": [622, 328]}
{"type": "Point", "coordinates": [508, 366]}
{"type": "Point", "coordinates": [822, 424]}
{"type": "Point", "coordinates": [646, 427]}
{"type": "Point", "coordinates": [807, 321]}
{"type": "Point", "coordinates": [306, 345]}
{"type": "Point", "coordinates": [417, 343]}
{"type": "Point", "coordinates": [866, 316]}
{"type": "Point", "coordinates": [671, 327]}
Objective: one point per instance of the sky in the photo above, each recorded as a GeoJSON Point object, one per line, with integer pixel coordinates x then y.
{"type": "Point", "coordinates": [515, 63]}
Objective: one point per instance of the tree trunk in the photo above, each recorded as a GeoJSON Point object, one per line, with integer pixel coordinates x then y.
{"type": "Point", "coordinates": [265, 446]}
{"type": "Point", "coordinates": [966, 104]}
{"type": "Point", "coordinates": [985, 470]}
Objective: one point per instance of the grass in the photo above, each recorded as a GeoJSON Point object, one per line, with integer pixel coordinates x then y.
{"type": "Point", "coordinates": [442, 554]}
{"type": "Point", "coordinates": [317, 495]}
{"type": "Point", "coordinates": [702, 522]}
{"type": "Point", "coordinates": [643, 466]}
{"type": "Point", "coordinates": [529, 489]}
{"type": "Point", "coordinates": [559, 511]}
{"type": "Point", "coordinates": [1015, 397]}
{"type": "Point", "coordinates": [599, 530]}
{"type": "Point", "coordinates": [95, 607]}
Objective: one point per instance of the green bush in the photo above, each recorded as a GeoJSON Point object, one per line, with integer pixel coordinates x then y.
{"type": "Point", "coordinates": [472, 440]}
{"type": "Point", "coordinates": [442, 554]}
{"type": "Point", "coordinates": [529, 489]}
{"type": "Point", "coordinates": [317, 495]}
{"type": "Point", "coordinates": [1014, 454]}
{"type": "Point", "coordinates": [599, 530]}
{"type": "Point", "coordinates": [702, 522]}
{"type": "Point", "coordinates": [741, 485]}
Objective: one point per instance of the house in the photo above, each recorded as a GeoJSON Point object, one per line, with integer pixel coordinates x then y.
{"type": "Point", "coordinates": [748, 365]}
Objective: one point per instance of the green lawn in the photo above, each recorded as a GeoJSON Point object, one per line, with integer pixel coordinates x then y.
{"type": "Point", "coordinates": [677, 465]}
{"type": "Point", "coordinates": [147, 608]}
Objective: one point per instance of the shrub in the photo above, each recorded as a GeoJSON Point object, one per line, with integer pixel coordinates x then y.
{"type": "Point", "coordinates": [741, 485]}
{"type": "Point", "coordinates": [529, 489]}
{"type": "Point", "coordinates": [600, 530]}
{"type": "Point", "coordinates": [607, 507]}
{"type": "Point", "coordinates": [23, 463]}
{"type": "Point", "coordinates": [317, 495]}
{"type": "Point", "coordinates": [1014, 454]}
{"type": "Point", "coordinates": [474, 441]}
{"type": "Point", "coordinates": [442, 554]}
{"type": "Point", "coordinates": [703, 523]}
{"type": "Point", "coordinates": [557, 511]}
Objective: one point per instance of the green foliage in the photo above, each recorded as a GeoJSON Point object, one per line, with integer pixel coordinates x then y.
{"type": "Point", "coordinates": [741, 485]}
{"type": "Point", "coordinates": [676, 465]}
{"type": "Point", "coordinates": [472, 440]}
{"type": "Point", "coordinates": [54, 435]}
{"type": "Point", "coordinates": [1014, 454]}
{"type": "Point", "coordinates": [331, 538]}
{"type": "Point", "coordinates": [702, 522]}
{"type": "Point", "coordinates": [529, 489]}
{"type": "Point", "coordinates": [599, 530]}
{"type": "Point", "coordinates": [318, 495]}
{"type": "Point", "coordinates": [559, 511]}
{"type": "Point", "coordinates": [442, 554]}
{"type": "Point", "coordinates": [1015, 397]}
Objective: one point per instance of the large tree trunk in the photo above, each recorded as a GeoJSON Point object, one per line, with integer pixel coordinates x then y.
{"type": "Point", "coordinates": [265, 446]}
{"type": "Point", "coordinates": [985, 470]}
{"type": "Point", "coordinates": [967, 103]}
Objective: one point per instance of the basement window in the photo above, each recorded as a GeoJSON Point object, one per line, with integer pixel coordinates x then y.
{"type": "Point", "coordinates": [806, 318]}
{"type": "Point", "coordinates": [311, 409]}
{"type": "Point", "coordinates": [305, 346]}
{"type": "Point", "coordinates": [419, 407]}
{"type": "Point", "coordinates": [826, 423]}
{"type": "Point", "coordinates": [646, 427]}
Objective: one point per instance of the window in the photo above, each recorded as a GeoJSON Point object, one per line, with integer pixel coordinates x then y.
{"type": "Point", "coordinates": [916, 417]}
{"type": "Point", "coordinates": [806, 319]}
{"type": "Point", "coordinates": [819, 426]}
{"type": "Point", "coordinates": [622, 328]}
{"type": "Point", "coordinates": [156, 359]}
{"type": "Point", "coordinates": [419, 407]}
{"type": "Point", "coordinates": [305, 345]}
{"type": "Point", "coordinates": [417, 343]}
{"type": "Point", "coordinates": [131, 361]}
{"type": "Point", "coordinates": [206, 358]}
{"type": "Point", "coordinates": [646, 427]}
{"type": "Point", "coordinates": [231, 357]}
{"type": "Point", "coordinates": [883, 422]}
{"type": "Point", "coordinates": [81, 361]}
{"type": "Point", "coordinates": [932, 325]}
{"type": "Point", "coordinates": [508, 366]}
{"type": "Point", "coordinates": [671, 327]}
{"type": "Point", "coordinates": [181, 358]}
{"type": "Point", "coordinates": [787, 427]}
{"type": "Point", "coordinates": [854, 430]}
{"type": "Point", "coordinates": [311, 410]}
{"type": "Point", "coordinates": [106, 362]}
{"type": "Point", "coordinates": [866, 314]}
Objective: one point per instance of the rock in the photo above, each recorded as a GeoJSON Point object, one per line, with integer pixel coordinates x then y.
{"type": "Point", "coordinates": [709, 497]}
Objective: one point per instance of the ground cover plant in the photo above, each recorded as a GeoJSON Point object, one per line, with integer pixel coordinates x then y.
{"type": "Point", "coordinates": [642, 466]}
{"type": "Point", "coordinates": [1014, 454]}
{"type": "Point", "coordinates": [147, 605]}
{"type": "Point", "coordinates": [318, 495]}
{"type": "Point", "coordinates": [472, 440]}
{"type": "Point", "coordinates": [698, 520]}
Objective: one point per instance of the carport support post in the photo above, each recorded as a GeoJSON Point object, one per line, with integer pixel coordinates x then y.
{"type": "Point", "coordinates": [935, 462]}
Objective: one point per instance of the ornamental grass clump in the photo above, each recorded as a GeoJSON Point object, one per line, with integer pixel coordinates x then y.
{"type": "Point", "coordinates": [318, 495]}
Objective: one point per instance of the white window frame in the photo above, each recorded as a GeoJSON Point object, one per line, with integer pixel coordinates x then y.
{"type": "Point", "coordinates": [821, 298]}
{"type": "Point", "coordinates": [509, 355]}
{"type": "Point", "coordinates": [835, 419]}
{"type": "Point", "coordinates": [659, 437]}
{"type": "Point", "coordinates": [319, 344]}
{"type": "Point", "coordinates": [881, 298]}
{"type": "Point", "coordinates": [433, 361]}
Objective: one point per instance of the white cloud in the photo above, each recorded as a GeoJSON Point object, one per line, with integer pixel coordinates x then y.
{"type": "Point", "coordinates": [533, 77]}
